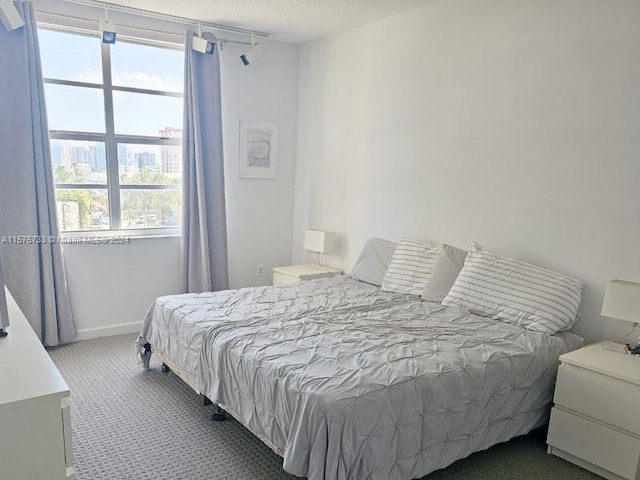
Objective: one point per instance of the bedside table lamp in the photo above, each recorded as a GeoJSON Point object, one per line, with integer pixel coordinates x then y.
{"type": "Point", "coordinates": [622, 302]}
{"type": "Point", "coordinates": [318, 241]}
{"type": "Point", "coordinates": [4, 315]}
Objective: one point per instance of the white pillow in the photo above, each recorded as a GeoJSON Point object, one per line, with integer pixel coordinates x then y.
{"type": "Point", "coordinates": [444, 274]}
{"type": "Point", "coordinates": [410, 267]}
{"type": "Point", "coordinates": [515, 292]}
{"type": "Point", "coordinates": [373, 261]}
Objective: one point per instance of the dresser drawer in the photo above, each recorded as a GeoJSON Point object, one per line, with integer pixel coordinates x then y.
{"type": "Point", "coordinates": [595, 443]}
{"type": "Point", "coordinates": [599, 396]}
{"type": "Point", "coordinates": [66, 427]}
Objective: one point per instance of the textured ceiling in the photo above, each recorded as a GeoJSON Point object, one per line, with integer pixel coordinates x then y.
{"type": "Point", "coordinates": [294, 21]}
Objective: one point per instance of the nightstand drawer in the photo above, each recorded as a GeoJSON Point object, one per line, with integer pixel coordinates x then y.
{"type": "Point", "coordinates": [599, 445]}
{"type": "Point", "coordinates": [599, 396]}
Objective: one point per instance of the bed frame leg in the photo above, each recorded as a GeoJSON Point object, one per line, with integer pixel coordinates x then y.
{"type": "Point", "coordinates": [205, 400]}
{"type": "Point", "coordinates": [219, 415]}
{"type": "Point", "coordinates": [165, 368]}
{"type": "Point", "coordinates": [145, 355]}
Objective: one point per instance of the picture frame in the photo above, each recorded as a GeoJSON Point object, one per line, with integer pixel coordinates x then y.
{"type": "Point", "coordinates": [258, 149]}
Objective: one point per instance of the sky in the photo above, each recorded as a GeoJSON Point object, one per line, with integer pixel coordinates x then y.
{"type": "Point", "coordinates": [74, 57]}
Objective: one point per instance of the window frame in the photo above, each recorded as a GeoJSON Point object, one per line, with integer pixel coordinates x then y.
{"type": "Point", "coordinates": [111, 141]}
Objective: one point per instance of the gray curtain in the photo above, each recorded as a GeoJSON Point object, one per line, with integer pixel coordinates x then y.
{"type": "Point", "coordinates": [4, 314]}
{"type": "Point", "coordinates": [31, 259]}
{"type": "Point", "coordinates": [204, 228]}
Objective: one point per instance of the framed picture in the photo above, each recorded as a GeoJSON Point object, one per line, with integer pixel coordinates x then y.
{"type": "Point", "coordinates": [258, 149]}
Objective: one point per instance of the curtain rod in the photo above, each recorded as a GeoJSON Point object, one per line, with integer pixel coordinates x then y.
{"type": "Point", "coordinates": [84, 31]}
{"type": "Point", "coordinates": [167, 17]}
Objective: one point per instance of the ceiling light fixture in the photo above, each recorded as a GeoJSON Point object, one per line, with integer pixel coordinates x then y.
{"type": "Point", "coordinates": [254, 52]}
{"type": "Point", "coordinates": [200, 44]}
{"type": "Point", "coordinates": [107, 29]}
{"type": "Point", "coordinates": [10, 16]}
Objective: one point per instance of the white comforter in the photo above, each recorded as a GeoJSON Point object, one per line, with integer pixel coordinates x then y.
{"type": "Point", "coordinates": [347, 382]}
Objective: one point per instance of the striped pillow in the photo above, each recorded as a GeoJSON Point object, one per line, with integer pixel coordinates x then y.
{"type": "Point", "coordinates": [515, 292]}
{"type": "Point", "coordinates": [410, 267]}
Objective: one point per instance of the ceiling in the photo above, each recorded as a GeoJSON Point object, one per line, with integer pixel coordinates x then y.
{"type": "Point", "coordinates": [293, 21]}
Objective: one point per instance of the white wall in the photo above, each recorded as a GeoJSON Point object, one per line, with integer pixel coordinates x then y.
{"type": "Point", "coordinates": [112, 286]}
{"type": "Point", "coordinates": [260, 211]}
{"type": "Point", "coordinates": [512, 123]}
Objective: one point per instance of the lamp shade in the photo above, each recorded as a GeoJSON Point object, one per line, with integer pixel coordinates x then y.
{"type": "Point", "coordinates": [622, 301]}
{"type": "Point", "coordinates": [318, 241]}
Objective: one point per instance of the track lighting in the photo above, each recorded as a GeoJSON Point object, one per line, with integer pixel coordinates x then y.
{"type": "Point", "coordinates": [202, 45]}
{"type": "Point", "coordinates": [107, 29]}
{"type": "Point", "coordinates": [251, 55]}
{"type": "Point", "coordinates": [10, 16]}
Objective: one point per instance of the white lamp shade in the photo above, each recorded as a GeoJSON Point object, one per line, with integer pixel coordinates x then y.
{"type": "Point", "coordinates": [622, 301]}
{"type": "Point", "coordinates": [318, 241]}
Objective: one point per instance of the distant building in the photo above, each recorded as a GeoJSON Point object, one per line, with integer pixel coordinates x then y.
{"type": "Point", "coordinates": [57, 152]}
{"type": "Point", "coordinates": [98, 156]}
{"type": "Point", "coordinates": [124, 166]}
{"type": "Point", "coordinates": [80, 154]}
{"type": "Point", "coordinates": [171, 155]}
{"type": "Point", "coordinates": [145, 160]}
{"type": "Point", "coordinates": [68, 215]}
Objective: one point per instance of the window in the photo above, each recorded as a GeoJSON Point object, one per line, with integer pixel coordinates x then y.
{"type": "Point", "coordinates": [115, 119]}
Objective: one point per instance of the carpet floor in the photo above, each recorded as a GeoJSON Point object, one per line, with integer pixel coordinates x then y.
{"type": "Point", "coordinates": [130, 424]}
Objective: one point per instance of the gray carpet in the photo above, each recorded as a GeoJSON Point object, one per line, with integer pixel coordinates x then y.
{"type": "Point", "coordinates": [131, 424]}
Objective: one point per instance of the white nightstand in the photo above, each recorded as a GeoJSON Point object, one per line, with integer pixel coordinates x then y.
{"type": "Point", "coordinates": [595, 421]}
{"type": "Point", "coordinates": [297, 273]}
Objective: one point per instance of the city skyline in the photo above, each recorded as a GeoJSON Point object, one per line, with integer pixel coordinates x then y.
{"type": "Point", "coordinates": [88, 160]}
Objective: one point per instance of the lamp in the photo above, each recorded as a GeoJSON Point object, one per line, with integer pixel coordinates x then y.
{"type": "Point", "coordinates": [622, 302]}
{"type": "Point", "coordinates": [318, 241]}
{"type": "Point", "coordinates": [4, 314]}
{"type": "Point", "coordinates": [10, 16]}
{"type": "Point", "coordinates": [250, 56]}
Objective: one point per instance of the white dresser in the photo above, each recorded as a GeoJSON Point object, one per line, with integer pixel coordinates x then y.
{"type": "Point", "coordinates": [35, 422]}
{"type": "Point", "coordinates": [595, 421]}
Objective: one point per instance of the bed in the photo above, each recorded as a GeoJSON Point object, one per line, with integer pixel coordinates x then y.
{"type": "Point", "coordinates": [346, 381]}
{"type": "Point", "coordinates": [175, 325]}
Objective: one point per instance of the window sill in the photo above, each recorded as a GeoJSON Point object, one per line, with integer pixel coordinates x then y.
{"type": "Point", "coordinates": [80, 237]}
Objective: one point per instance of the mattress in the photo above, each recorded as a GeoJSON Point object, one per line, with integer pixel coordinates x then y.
{"type": "Point", "coordinates": [348, 382]}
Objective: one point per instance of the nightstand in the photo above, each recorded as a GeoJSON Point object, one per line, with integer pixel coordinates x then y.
{"type": "Point", "coordinates": [595, 420]}
{"type": "Point", "coordinates": [297, 273]}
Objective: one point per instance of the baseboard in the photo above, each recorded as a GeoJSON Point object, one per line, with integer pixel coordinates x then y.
{"type": "Point", "coordinates": [123, 328]}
